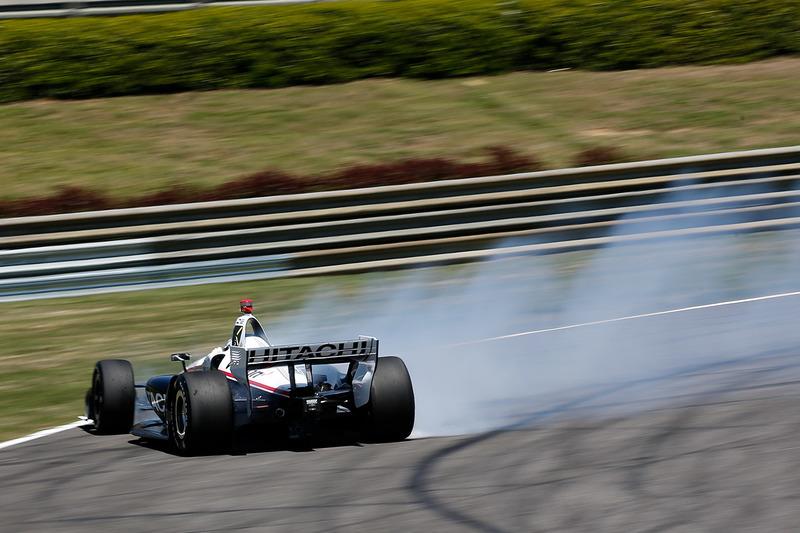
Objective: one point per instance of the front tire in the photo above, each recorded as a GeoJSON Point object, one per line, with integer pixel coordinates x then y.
{"type": "Point", "coordinates": [200, 413]}
{"type": "Point", "coordinates": [389, 414]}
{"type": "Point", "coordinates": [112, 399]}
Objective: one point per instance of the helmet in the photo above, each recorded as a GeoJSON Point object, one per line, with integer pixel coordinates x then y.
{"type": "Point", "coordinates": [246, 306]}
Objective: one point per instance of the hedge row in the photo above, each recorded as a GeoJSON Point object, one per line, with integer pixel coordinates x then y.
{"type": "Point", "coordinates": [216, 48]}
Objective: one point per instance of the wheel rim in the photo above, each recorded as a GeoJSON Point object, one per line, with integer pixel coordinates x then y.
{"type": "Point", "coordinates": [97, 397]}
{"type": "Point", "coordinates": [180, 415]}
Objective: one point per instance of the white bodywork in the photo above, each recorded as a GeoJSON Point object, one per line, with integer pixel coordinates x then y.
{"type": "Point", "coordinates": [274, 379]}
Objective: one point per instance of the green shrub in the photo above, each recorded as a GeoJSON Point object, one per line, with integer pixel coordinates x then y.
{"type": "Point", "coordinates": [216, 48]}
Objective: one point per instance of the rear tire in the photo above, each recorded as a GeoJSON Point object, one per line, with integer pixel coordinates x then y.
{"type": "Point", "coordinates": [200, 413]}
{"type": "Point", "coordinates": [112, 399]}
{"type": "Point", "coordinates": [389, 414]}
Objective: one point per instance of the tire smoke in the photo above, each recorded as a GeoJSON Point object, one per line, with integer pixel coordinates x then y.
{"type": "Point", "coordinates": [438, 319]}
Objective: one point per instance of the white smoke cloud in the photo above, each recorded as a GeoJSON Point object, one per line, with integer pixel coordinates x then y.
{"type": "Point", "coordinates": [440, 320]}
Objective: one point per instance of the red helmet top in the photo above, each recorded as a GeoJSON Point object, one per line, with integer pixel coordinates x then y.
{"type": "Point", "coordinates": [246, 306]}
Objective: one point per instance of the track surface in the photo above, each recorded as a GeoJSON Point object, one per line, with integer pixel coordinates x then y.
{"type": "Point", "coordinates": [723, 457]}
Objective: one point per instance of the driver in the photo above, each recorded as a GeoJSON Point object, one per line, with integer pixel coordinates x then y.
{"type": "Point", "coordinates": [325, 377]}
{"type": "Point", "coordinates": [220, 357]}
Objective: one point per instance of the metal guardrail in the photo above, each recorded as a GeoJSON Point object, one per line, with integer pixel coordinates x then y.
{"type": "Point", "coordinates": [18, 9]}
{"type": "Point", "coordinates": [397, 226]}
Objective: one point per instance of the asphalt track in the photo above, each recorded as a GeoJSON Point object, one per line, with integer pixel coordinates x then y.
{"type": "Point", "coordinates": [716, 451]}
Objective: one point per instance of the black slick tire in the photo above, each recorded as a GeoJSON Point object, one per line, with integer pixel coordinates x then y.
{"type": "Point", "coordinates": [200, 413]}
{"type": "Point", "coordinates": [389, 414]}
{"type": "Point", "coordinates": [112, 399]}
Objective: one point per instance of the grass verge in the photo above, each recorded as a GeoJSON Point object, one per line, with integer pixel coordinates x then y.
{"type": "Point", "coordinates": [139, 145]}
{"type": "Point", "coordinates": [51, 345]}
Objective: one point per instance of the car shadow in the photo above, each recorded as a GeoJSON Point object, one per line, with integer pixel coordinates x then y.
{"type": "Point", "coordinates": [249, 441]}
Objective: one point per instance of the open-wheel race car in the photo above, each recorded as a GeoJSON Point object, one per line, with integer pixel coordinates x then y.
{"type": "Point", "coordinates": [293, 390]}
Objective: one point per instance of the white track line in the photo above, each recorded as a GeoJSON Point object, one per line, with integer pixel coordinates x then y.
{"type": "Point", "coordinates": [43, 433]}
{"type": "Point", "coordinates": [620, 319]}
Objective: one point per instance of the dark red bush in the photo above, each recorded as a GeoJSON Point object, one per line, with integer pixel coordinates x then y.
{"type": "Point", "coordinates": [264, 183]}
{"type": "Point", "coordinates": [270, 183]}
{"type": "Point", "coordinates": [66, 199]}
{"type": "Point", "coordinates": [501, 161]}
{"type": "Point", "coordinates": [601, 155]}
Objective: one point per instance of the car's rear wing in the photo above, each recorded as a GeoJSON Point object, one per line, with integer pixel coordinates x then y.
{"type": "Point", "coordinates": [360, 354]}
{"type": "Point", "coordinates": [329, 351]}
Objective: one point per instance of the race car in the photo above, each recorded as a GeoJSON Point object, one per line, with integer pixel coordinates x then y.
{"type": "Point", "coordinates": [292, 390]}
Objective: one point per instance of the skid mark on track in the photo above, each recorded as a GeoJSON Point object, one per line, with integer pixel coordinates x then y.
{"type": "Point", "coordinates": [565, 467]}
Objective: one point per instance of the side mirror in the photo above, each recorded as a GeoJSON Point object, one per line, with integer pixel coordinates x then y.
{"type": "Point", "coordinates": [182, 357]}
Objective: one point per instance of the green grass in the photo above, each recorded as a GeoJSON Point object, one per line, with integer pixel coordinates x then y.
{"type": "Point", "coordinates": [133, 145]}
{"type": "Point", "coordinates": [50, 346]}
